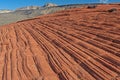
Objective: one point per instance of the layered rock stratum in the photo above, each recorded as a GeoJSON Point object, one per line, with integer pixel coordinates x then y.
{"type": "Point", "coordinates": [75, 44]}
{"type": "Point", "coordinates": [28, 8]}
{"type": "Point", "coordinates": [7, 17]}
{"type": "Point", "coordinates": [50, 5]}
{"type": "Point", "coordinates": [5, 11]}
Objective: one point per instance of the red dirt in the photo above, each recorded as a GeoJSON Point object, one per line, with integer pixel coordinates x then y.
{"type": "Point", "coordinates": [76, 44]}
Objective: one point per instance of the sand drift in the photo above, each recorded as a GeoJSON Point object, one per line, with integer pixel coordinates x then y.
{"type": "Point", "coordinates": [75, 44]}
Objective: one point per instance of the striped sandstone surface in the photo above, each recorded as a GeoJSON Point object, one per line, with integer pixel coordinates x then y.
{"type": "Point", "coordinates": [75, 44]}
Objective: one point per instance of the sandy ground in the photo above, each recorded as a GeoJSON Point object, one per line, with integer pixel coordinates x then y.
{"type": "Point", "coordinates": [76, 44]}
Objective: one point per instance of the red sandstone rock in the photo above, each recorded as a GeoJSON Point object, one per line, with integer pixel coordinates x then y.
{"type": "Point", "coordinates": [76, 44]}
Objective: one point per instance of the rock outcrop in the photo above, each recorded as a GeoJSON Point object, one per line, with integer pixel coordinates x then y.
{"type": "Point", "coordinates": [5, 11]}
{"type": "Point", "coordinates": [50, 5]}
{"type": "Point", "coordinates": [28, 8]}
{"type": "Point", "coordinates": [34, 11]}
{"type": "Point", "coordinates": [75, 44]}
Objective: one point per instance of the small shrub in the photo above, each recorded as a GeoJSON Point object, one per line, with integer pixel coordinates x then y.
{"type": "Point", "coordinates": [91, 6]}
{"type": "Point", "coordinates": [112, 10]}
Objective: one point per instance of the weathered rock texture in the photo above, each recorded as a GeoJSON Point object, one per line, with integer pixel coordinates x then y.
{"type": "Point", "coordinates": [34, 11]}
{"type": "Point", "coordinates": [76, 44]}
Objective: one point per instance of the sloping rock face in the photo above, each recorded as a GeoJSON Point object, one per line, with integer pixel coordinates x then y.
{"type": "Point", "coordinates": [50, 5]}
{"type": "Point", "coordinates": [28, 8]}
{"type": "Point", "coordinates": [5, 11]}
{"type": "Point", "coordinates": [76, 44]}
{"type": "Point", "coordinates": [34, 11]}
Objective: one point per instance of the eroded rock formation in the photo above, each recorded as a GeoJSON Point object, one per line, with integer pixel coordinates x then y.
{"type": "Point", "coordinates": [76, 44]}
